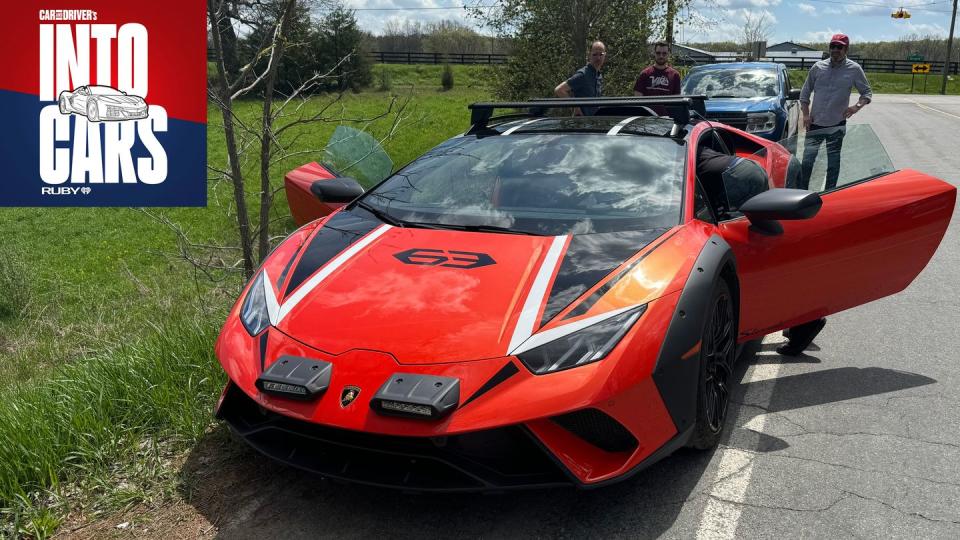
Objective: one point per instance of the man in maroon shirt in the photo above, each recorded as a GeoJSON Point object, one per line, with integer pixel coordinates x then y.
{"type": "Point", "coordinates": [658, 79]}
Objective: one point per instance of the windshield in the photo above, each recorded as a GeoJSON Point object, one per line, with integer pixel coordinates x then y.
{"type": "Point", "coordinates": [540, 184]}
{"type": "Point", "coordinates": [741, 83]}
{"type": "Point", "coordinates": [104, 91]}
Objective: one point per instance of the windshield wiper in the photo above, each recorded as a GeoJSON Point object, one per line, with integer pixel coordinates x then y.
{"type": "Point", "coordinates": [381, 215]}
{"type": "Point", "coordinates": [478, 228]}
{"type": "Point", "coordinates": [723, 96]}
{"type": "Point", "coordinates": [396, 222]}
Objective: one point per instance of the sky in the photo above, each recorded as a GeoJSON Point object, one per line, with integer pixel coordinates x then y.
{"type": "Point", "coordinates": [794, 20]}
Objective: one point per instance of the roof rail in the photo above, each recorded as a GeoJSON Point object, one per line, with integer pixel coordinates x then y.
{"type": "Point", "coordinates": [678, 107]}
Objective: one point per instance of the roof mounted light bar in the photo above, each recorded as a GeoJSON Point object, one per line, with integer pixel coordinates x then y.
{"type": "Point", "coordinates": [678, 107]}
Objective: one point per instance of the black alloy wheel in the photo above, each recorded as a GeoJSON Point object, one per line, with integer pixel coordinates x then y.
{"type": "Point", "coordinates": [718, 348]}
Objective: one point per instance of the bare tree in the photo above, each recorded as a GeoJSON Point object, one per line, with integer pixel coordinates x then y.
{"type": "Point", "coordinates": [756, 27]}
{"type": "Point", "coordinates": [279, 113]}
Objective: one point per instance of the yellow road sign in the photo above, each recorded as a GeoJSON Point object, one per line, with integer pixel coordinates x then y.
{"type": "Point", "coordinates": [921, 68]}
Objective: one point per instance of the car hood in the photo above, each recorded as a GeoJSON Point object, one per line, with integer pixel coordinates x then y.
{"type": "Point", "coordinates": [435, 296]}
{"type": "Point", "coordinates": [755, 104]}
{"type": "Point", "coordinates": [120, 100]}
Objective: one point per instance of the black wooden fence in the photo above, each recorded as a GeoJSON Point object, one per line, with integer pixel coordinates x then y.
{"type": "Point", "coordinates": [384, 57]}
{"type": "Point", "coordinates": [873, 65]}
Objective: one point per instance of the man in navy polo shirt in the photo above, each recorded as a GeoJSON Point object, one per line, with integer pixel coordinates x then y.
{"type": "Point", "coordinates": [586, 82]}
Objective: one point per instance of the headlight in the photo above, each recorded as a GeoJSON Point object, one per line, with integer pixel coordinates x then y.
{"type": "Point", "coordinates": [254, 313]}
{"type": "Point", "coordinates": [765, 121]}
{"type": "Point", "coordinates": [581, 347]}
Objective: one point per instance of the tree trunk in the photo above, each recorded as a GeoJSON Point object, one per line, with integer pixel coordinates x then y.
{"type": "Point", "coordinates": [266, 130]}
{"type": "Point", "coordinates": [228, 44]}
{"type": "Point", "coordinates": [671, 13]}
{"type": "Point", "coordinates": [226, 110]}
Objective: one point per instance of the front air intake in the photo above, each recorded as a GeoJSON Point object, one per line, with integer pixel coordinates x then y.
{"type": "Point", "coordinates": [598, 429]}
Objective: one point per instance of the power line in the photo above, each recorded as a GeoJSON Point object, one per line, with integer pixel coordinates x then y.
{"type": "Point", "coordinates": [918, 7]}
{"type": "Point", "coordinates": [421, 8]}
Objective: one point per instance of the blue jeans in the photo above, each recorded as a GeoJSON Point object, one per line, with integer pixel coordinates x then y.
{"type": "Point", "coordinates": [811, 147]}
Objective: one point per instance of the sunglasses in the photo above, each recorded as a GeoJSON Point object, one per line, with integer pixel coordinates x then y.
{"type": "Point", "coordinates": [837, 47]}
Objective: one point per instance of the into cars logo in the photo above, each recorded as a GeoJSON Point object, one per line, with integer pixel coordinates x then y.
{"type": "Point", "coordinates": [439, 257]}
{"type": "Point", "coordinates": [105, 104]}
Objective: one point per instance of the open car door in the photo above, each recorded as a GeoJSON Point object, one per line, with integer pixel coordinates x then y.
{"type": "Point", "coordinates": [349, 153]}
{"type": "Point", "coordinates": [874, 233]}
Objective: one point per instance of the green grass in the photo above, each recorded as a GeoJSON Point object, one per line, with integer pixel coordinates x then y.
{"type": "Point", "coordinates": [87, 424]}
{"type": "Point", "coordinates": [893, 83]}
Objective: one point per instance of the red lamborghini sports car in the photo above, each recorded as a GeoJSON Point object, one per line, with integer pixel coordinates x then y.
{"type": "Point", "coordinates": [551, 300]}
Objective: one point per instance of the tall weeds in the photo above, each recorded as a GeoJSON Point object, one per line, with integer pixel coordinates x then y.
{"type": "Point", "coordinates": [80, 419]}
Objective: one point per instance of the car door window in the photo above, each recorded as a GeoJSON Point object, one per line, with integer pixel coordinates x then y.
{"type": "Point", "coordinates": [832, 158]}
{"type": "Point", "coordinates": [702, 209]}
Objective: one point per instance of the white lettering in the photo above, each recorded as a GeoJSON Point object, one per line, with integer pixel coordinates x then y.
{"type": "Point", "coordinates": [46, 63]}
{"type": "Point", "coordinates": [153, 171]}
{"type": "Point", "coordinates": [86, 152]}
{"type": "Point", "coordinates": [132, 59]}
{"type": "Point", "coordinates": [73, 64]}
{"type": "Point", "coordinates": [104, 34]}
{"type": "Point", "coordinates": [54, 162]}
{"type": "Point", "coordinates": [118, 138]}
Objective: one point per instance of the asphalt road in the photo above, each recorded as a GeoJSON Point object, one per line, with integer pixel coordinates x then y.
{"type": "Point", "coordinates": [859, 438]}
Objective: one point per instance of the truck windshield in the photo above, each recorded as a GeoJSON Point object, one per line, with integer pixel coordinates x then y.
{"type": "Point", "coordinates": [741, 83]}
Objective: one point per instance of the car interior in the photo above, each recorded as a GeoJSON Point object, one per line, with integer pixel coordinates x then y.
{"type": "Point", "coordinates": [717, 194]}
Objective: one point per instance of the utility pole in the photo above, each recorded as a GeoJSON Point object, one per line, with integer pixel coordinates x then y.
{"type": "Point", "coordinates": [946, 63]}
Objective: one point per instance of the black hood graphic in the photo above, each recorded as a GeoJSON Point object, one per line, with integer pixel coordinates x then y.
{"type": "Point", "coordinates": [589, 259]}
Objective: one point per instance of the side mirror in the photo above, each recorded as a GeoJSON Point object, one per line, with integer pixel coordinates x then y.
{"type": "Point", "coordinates": [793, 95]}
{"type": "Point", "coordinates": [342, 189]}
{"type": "Point", "coordinates": [766, 209]}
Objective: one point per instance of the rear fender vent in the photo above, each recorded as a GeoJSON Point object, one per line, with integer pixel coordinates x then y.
{"type": "Point", "coordinates": [598, 429]}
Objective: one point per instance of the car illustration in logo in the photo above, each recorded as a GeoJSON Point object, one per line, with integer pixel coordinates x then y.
{"type": "Point", "coordinates": [99, 103]}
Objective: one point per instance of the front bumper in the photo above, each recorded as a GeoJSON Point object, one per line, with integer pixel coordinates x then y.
{"type": "Point", "coordinates": [491, 460]}
{"type": "Point", "coordinates": [124, 114]}
{"type": "Point", "coordinates": [587, 426]}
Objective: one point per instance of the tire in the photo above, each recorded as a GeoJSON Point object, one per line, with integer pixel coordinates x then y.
{"type": "Point", "coordinates": [92, 113]}
{"type": "Point", "coordinates": [717, 355]}
{"type": "Point", "coordinates": [63, 106]}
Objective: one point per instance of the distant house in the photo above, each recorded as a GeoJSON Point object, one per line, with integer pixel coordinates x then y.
{"type": "Point", "coordinates": [788, 47]}
{"type": "Point", "coordinates": [692, 56]}
{"type": "Point", "coordinates": [792, 54]}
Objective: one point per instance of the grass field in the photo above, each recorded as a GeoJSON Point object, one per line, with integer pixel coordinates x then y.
{"type": "Point", "coordinates": [106, 335]}
{"type": "Point", "coordinates": [894, 83]}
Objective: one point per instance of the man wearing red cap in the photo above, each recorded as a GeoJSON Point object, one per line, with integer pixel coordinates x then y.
{"type": "Point", "coordinates": [830, 82]}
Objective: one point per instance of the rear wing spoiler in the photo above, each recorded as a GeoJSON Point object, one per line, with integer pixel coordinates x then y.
{"type": "Point", "coordinates": [678, 108]}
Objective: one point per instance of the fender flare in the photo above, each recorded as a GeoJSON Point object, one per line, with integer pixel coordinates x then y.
{"type": "Point", "coordinates": [677, 370]}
